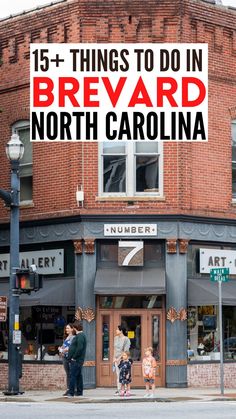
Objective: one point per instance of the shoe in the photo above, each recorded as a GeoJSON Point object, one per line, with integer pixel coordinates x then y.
{"type": "Point", "coordinates": [122, 393]}
{"type": "Point", "coordinates": [127, 394]}
{"type": "Point", "coordinates": [146, 395]}
{"type": "Point", "coordinates": [151, 396]}
{"type": "Point", "coordinates": [69, 396]}
{"type": "Point", "coordinates": [116, 393]}
{"type": "Point", "coordinates": [79, 395]}
{"type": "Point", "coordinates": [65, 394]}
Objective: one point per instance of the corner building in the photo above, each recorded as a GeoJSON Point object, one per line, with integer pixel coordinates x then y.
{"type": "Point", "coordinates": [176, 201]}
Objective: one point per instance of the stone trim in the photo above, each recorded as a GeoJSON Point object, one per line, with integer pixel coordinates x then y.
{"type": "Point", "coordinates": [183, 246]}
{"type": "Point", "coordinates": [171, 245]}
{"type": "Point", "coordinates": [78, 247]}
{"type": "Point", "coordinates": [89, 246]}
{"type": "Point", "coordinates": [176, 362]}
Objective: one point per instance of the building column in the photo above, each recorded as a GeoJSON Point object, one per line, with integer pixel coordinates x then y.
{"type": "Point", "coordinates": [85, 269]}
{"type": "Point", "coordinates": [176, 313]}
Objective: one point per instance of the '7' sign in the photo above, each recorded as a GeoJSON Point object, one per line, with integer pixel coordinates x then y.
{"type": "Point", "coordinates": [130, 253]}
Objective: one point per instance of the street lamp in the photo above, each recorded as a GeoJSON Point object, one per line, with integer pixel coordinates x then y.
{"type": "Point", "coordinates": [14, 152]}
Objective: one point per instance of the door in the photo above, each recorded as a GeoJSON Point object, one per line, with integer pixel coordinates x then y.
{"type": "Point", "coordinates": [145, 328]}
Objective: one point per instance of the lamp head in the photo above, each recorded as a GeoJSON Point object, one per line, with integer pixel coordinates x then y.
{"type": "Point", "coordinates": [14, 148]}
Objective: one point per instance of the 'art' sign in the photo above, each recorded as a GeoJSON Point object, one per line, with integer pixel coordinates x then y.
{"type": "Point", "coordinates": [118, 92]}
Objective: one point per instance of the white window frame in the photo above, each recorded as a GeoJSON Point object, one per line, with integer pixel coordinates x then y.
{"type": "Point", "coordinates": [16, 127]}
{"type": "Point", "coordinates": [130, 173]}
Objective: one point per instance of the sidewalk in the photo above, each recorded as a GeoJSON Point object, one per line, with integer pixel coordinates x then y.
{"type": "Point", "coordinates": [106, 395]}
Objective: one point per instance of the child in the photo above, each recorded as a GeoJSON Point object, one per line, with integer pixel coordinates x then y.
{"type": "Point", "coordinates": [125, 373]}
{"type": "Point", "coordinates": [149, 369]}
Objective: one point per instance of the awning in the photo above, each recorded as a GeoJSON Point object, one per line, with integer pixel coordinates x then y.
{"type": "Point", "coordinates": [55, 292]}
{"type": "Point", "coordinates": [127, 281]}
{"type": "Point", "coordinates": [205, 292]}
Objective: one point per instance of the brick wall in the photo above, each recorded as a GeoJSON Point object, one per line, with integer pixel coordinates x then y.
{"type": "Point", "coordinates": [197, 177]}
{"type": "Point", "coordinates": [37, 377]}
{"type": "Point", "coordinates": [208, 375]}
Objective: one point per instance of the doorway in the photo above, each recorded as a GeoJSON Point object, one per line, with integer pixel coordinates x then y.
{"type": "Point", "coordinates": [145, 328]}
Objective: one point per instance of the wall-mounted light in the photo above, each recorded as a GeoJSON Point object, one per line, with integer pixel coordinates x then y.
{"type": "Point", "coordinates": [80, 196]}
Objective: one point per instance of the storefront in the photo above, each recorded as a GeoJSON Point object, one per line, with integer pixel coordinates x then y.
{"type": "Point", "coordinates": [144, 274]}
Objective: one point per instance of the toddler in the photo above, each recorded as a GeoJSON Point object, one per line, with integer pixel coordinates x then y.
{"type": "Point", "coordinates": [125, 373]}
{"type": "Point", "coordinates": [149, 369]}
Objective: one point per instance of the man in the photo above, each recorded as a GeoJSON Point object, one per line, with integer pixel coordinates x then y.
{"type": "Point", "coordinates": [76, 355]}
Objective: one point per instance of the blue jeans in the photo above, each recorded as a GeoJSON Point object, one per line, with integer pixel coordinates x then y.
{"type": "Point", "coordinates": [76, 378]}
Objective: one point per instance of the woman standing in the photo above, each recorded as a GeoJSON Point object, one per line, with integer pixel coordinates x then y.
{"type": "Point", "coordinates": [63, 350]}
{"type": "Point", "coordinates": [121, 344]}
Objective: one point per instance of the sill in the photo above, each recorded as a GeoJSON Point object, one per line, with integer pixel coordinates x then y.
{"type": "Point", "coordinates": [26, 204]}
{"type": "Point", "coordinates": [130, 198]}
{"type": "Point", "coordinates": [234, 202]}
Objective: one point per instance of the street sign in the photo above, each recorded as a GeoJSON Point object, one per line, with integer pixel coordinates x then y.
{"type": "Point", "coordinates": [3, 309]}
{"type": "Point", "coordinates": [17, 337]}
{"type": "Point", "coordinates": [219, 274]}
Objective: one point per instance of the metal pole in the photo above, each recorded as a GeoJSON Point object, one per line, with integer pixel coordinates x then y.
{"type": "Point", "coordinates": [221, 341]}
{"type": "Point", "coordinates": [13, 376]}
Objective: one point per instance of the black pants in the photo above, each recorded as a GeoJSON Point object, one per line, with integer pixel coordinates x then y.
{"type": "Point", "coordinates": [66, 365]}
{"type": "Point", "coordinates": [76, 378]}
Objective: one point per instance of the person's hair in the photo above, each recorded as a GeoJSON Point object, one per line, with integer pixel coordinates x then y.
{"type": "Point", "coordinates": [150, 349]}
{"type": "Point", "coordinates": [65, 334]}
{"type": "Point", "coordinates": [77, 325]}
{"type": "Point", "coordinates": [126, 353]}
{"type": "Point", "coordinates": [122, 329]}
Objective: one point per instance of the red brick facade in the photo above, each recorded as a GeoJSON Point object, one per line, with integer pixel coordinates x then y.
{"type": "Point", "coordinates": [197, 177]}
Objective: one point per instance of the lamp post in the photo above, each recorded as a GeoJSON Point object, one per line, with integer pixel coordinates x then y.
{"type": "Point", "coordinates": [14, 152]}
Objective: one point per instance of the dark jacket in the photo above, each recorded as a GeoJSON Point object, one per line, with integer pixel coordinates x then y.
{"type": "Point", "coordinates": [77, 348]}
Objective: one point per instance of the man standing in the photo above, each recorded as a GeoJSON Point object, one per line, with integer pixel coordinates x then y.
{"type": "Point", "coordinates": [76, 355]}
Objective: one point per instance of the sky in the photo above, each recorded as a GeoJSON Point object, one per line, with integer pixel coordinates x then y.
{"type": "Point", "coordinates": [8, 7]}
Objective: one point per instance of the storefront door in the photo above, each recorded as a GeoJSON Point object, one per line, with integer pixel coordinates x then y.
{"type": "Point", "coordinates": [145, 328]}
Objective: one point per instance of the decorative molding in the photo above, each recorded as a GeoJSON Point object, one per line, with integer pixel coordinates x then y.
{"type": "Point", "coordinates": [176, 362]}
{"type": "Point", "coordinates": [172, 315]}
{"type": "Point", "coordinates": [89, 364]}
{"type": "Point", "coordinates": [89, 246]}
{"type": "Point", "coordinates": [183, 246]}
{"type": "Point", "coordinates": [182, 314]}
{"type": "Point", "coordinates": [78, 247]}
{"type": "Point", "coordinates": [87, 314]}
{"type": "Point", "coordinates": [171, 245]}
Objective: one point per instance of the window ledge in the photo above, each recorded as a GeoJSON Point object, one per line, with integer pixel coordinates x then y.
{"type": "Point", "coordinates": [234, 202]}
{"type": "Point", "coordinates": [130, 198]}
{"type": "Point", "coordinates": [26, 204]}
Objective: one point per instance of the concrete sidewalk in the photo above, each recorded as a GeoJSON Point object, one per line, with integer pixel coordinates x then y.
{"type": "Point", "coordinates": [106, 395]}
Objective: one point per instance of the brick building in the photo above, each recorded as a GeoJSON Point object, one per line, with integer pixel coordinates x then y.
{"type": "Point", "coordinates": [189, 206]}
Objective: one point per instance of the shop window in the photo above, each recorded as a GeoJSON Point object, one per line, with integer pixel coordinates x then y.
{"type": "Point", "coordinates": [22, 128]}
{"type": "Point", "coordinates": [130, 169]}
{"type": "Point", "coordinates": [203, 333]}
{"type": "Point", "coordinates": [42, 332]}
{"type": "Point", "coordinates": [234, 159]}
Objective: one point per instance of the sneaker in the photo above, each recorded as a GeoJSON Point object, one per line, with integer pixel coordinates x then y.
{"type": "Point", "coordinates": [151, 396]}
{"type": "Point", "coordinates": [116, 393]}
{"type": "Point", "coordinates": [146, 395]}
{"type": "Point", "coordinates": [122, 393]}
{"type": "Point", "coordinates": [65, 394]}
{"type": "Point", "coordinates": [69, 396]}
{"type": "Point", "coordinates": [127, 394]}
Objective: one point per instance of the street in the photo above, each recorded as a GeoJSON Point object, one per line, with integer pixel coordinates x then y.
{"type": "Point", "coordinates": [174, 410]}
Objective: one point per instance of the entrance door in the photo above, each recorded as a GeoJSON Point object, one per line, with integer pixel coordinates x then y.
{"type": "Point", "coordinates": [145, 328]}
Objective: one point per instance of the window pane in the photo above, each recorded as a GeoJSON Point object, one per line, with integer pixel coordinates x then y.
{"type": "Point", "coordinates": [114, 174]}
{"type": "Point", "coordinates": [26, 188]}
{"type": "Point", "coordinates": [147, 174]}
{"type": "Point", "coordinates": [113, 148]}
{"type": "Point", "coordinates": [105, 337]}
{"type": "Point", "coordinates": [133, 326]}
{"type": "Point", "coordinates": [234, 132]}
{"type": "Point", "coordinates": [234, 152]}
{"type": "Point", "coordinates": [156, 337]}
{"type": "Point", "coordinates": [147, 147]}
{"type": "Point", "coordinates": [24, 135]}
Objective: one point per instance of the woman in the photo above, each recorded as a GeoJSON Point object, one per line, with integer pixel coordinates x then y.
{"type": "Point", "coordinates": [63, 350]}
{"type": "Point", "coordinates": [121, 344]}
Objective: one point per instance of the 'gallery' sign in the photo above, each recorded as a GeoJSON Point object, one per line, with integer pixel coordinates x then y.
{"type": "Point", "coordinates": [48, 262]}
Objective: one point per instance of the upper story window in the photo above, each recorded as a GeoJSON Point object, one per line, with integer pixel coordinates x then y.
{"type": "Point", "coordinates": [131, 169]}
{"type": "Point", "coordinates": [234, 159]}
{"type": "Point", "coordinates": [22, 128]}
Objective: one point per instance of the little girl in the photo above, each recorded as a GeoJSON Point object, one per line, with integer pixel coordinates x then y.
{"type": "Point", "coordinates": [149, 369]}
{"type": "Point", "coordinates": [125, 373]}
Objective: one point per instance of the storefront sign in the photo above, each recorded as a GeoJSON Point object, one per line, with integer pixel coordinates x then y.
{"type": "Point", "coordinates": [48, 262]}
{"type": "Point", "coordinates": [130, 230]}
{"type": "Point", "coordinates": [216, 258]}
{"type": "Point", "coordinates": [3, 309]}
{"type": "Point", "coordinates": [130, 253]}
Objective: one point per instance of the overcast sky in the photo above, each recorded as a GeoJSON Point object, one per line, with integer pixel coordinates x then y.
{"type": "Point", "coordinates": [8, 7]}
